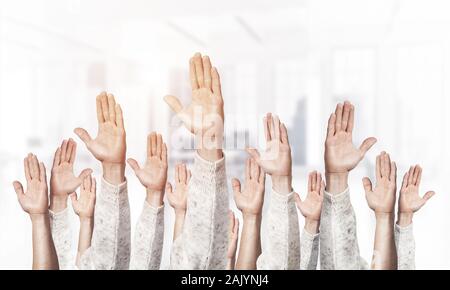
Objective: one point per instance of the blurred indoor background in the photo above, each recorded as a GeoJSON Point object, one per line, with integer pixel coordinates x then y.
{"type": "Point", "coordinates": [295, 58]}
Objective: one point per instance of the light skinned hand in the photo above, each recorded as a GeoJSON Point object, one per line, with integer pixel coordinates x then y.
{"type": "Point", "coordinates": [34, 200]}
{"type": "Point", "coordinates": [341, 156]}
{"type": "Point", "coordinates": [204, 116]}
{"type": "Point", "coordinates": [84, 205]}
{"type": "Point", "coordinates": [381, 199]}
{"type": "Point", "coordinates": [154, 173]}
{"type": "Point", "coordinates": [250, 200]}
{"type": "Point", "coordinates": [110, 145]}
{"type": "Point", "coordinates": [233, 235]}
{"type": "Point", "coordinates": [410, 201]}
{"type": "Point", "coordinates": [63, 180]}
{"type": "Point", "coordinates": [311, 207]}
{"type": "Point", "coordinates": [276, 159]}
{"type": "Point", "coordinates": [178, 198]}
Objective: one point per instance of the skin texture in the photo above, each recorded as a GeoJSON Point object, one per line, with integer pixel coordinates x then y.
{"type": "Point", "coordinates": [381, 199]}
{"type": "Point", "coordinates": [311, 207]}
{"type": "Point", "coordinates": [63, 180]}
{"type": "Point", "coordinates": [233, 235]}
{"type": "Point", "coordinates": [341, 156]}
{"type": "Point", "coordinates": [204, 116]}
{"type": "Point", "coordinates": [410, 201]}
{"type": "Point", "coordinates": [250, 201]}
{"type": "Point", "coordinates": [276, 159]}
{"type": "Point", "coordinates": [34, 201]}
{"type": "Point", "coordinates": [109, 147]}
{"type": "Point", "coordinates": [178, 197]}
{"type": "Point", "coordinates": [84, 207]}
{"type": "Point", "coordinates": [153, 175]}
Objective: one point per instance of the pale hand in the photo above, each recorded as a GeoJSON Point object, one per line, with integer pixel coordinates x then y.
{"type": "Point", "coordinates": [205, 114]}
{"type": "Point", "coordinates": [276, 160]}
{"type": "Point", "coordinates": [250, 200]}
{"type": "Point", "coordinates": [233, 236]}
{"type": "Point", "coordinates": [311, 207]}
{"type": "Point", "coordinates": [178, 198]}
{"type": "Point", "coordinates": [381, 199]}
{"type": "Point", "coordinates": [110, 144]}
{"type": "Point", "coordinates": [341, 155]}
{"type": "Point", "coordinates": [154, 174]}
{"type": "Point", "coordinates": [62, 180]}
{"type": "Point", "coordinates": [84, 206]}
{"type": "Point", "coordinates": [410, 201]}
{"type": "Point", "coordinates": [35, 200]}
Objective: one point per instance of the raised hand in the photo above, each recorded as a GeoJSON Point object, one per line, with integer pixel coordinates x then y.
{"type": "Point", "coordinates": [341, 156]}
{"type": "Point", "coordinates": [178, 198]}
{"type": "Point", "coordinates": [84, 205]}
{"type": "Point", "coordinates": [311, 207]}
{"type": "Point", "coordinates": [410, 201]}
{"type": "Point", "coordinates": [63, 180]}
{"type": "Point", "coordinates": [154, 173]}
{"type": "Point", "coordinates": [233, 236]}
{"type": "Point", "coordinates": [205, 113]}
{"type": "Point", "coordinates": [34, 200]}
{"type": "Point", "coordinates": [250, 200]}
{"type": "Point", "coordinates": [381, 199]}
{"type": "Point", "coordinates": [109, 147]}
{"type": "Point", "coordinates": [276, 160]}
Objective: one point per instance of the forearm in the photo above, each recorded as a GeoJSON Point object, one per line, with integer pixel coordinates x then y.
{"type": "Point", "coordinates": [231, 263]}
{"type": "Point", "coordinates": [250, 247]}
{"type": "Point", "coordinates": [44, 253]}
{"type": "Point", "coordinates": [61, 231]}
{"type": "Point", "coordinates": [85, 238]}
{"type": "Point", "coordinates": [179, 223]}
{"type": "Point", "coordinates": [384, 252]}
{"type": "Point", "coordinates": [405, 245]}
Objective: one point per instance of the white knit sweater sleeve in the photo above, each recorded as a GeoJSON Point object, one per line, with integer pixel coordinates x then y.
{"type": "Point", "coordinates": [309, 246]}
{"type": "Point", "coordinates": [62, 238]}
{"type": "Point", "coordinates": [406, 248]}
{"type": "Point", "coordinates": [339, 248]}
{"type": "Point", "coordinates": [282, 236]}
{"type": "Point", "coordinates": [203, 242]}
{"type": "Point", "coordinates": [147, 246]}
{"type": "Point", "coordinates": [110, 248]}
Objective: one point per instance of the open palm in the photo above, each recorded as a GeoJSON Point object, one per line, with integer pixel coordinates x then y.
{"type": "Point", "coordinates": [410, 201]}
{"type": "Point", "coordinates": [340, 154]}
{"type": "Point", "coordinates": [311, 207]}
{"type": "Point", "coordinates": [178, 197]}
{"type": "Point", "coordinates": [84, 205]}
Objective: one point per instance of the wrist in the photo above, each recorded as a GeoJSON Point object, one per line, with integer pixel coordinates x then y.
{"type": "Point", "coordinates": [209, 147]}
{"type": "Point", "coordinates": [404, 219]}
{"type": "Point", "coordinates": [86, 220]}
{"type": "Point", "coordinates": [180, 213]}
{"type": "Point", "coordinates": [114, 173]}
{"type": "Point", "coordinates": [251, 218]}
{"type": "Point", "coordinates": [336, 182]}
{"type": "Point", "coordinates": [39, 217]}
{"type": "Point", "coordinates": [58, 202]}
{"type": "Point", "coordinates": [384, 216]}
{"type": "Point", "coordinates": [312, 226]}
{"type": "Point", "coordinates": [282, 184]}
{"type": "Point", "coordinates": [155, 197]}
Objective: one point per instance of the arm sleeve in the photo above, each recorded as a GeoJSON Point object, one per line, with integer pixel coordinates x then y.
{"type": "Point", "coordinates": [406, 248]}
{"type": "Point", "coordinates": [148, 241]}
{"type": "Point", "coordinates": [62, 238]}
{"type": "Point", "coordinates": [110, 248]}
{"type": "Point", "coordinates": [339, 248]}
{"type": "Point", "coordinates": [309, 246]}
{"type": "Point", "coordinates": [282, 249]}
{"type": "Point", "coordinates": [203, 243]}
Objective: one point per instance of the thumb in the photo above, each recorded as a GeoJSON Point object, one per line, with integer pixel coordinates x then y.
{"type": "Point", "coordinates": [428, 195]}
{"type": "Point", "coordinates": [85, 173]}
{"type": "Point", "coordinates": [254, 154]}
{"type": "Point", "coordinates": [133, 164]}
{"type": "Point", "coordinates": [83, 135]}
{"type": "Point", "coordinates": [236, 184]}
{"type": "Point", "coordinates": [366, 145]}
{"type": "Point", "coordinates": [174, 103]}
{"type": "Point", "coordinates": [18, 188]}
{"type": "Point", "coordinates": [367, 184]}
{"type": "Point", "coordinates": [73, 198]}
{"type": "Point", "coordinates": [169, 188]}
{"type": "Point", "coordinates": [298, 200]}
